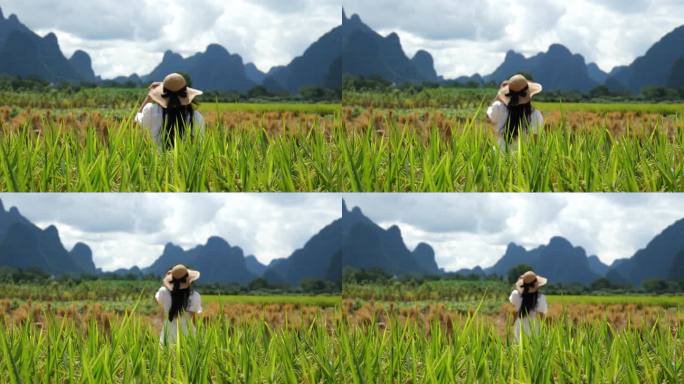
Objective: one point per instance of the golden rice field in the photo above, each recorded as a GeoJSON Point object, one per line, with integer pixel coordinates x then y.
{"type": "Point", "coordinates": [612, 339]}
{"type": "Point", "coordinates": [435, 146]}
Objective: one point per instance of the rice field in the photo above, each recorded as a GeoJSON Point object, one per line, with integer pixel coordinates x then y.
{"type": "Point", "coordinates": [474, 350]}
{"type": "Point", "coordinates": [88, 142]}
{"type": "Point", "coordinates": [126, 348]}
{"type": "Point", "coordinates": [453, 337]}
{"type": "Point", "coordinates": [320, 300]}
{"type": "Point", "coordinates": [328, 339]}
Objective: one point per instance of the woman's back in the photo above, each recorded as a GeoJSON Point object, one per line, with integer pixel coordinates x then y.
{"type": "Point", "coordinates": [498, 114]}
{"type": "Point", "coordinates": [152, 118]}
{"type": "Point", "coordinates": [170, 328]}
{"type": "Point", "coordinates": [529, 319]}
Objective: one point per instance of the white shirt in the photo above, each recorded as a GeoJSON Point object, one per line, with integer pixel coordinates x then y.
{"type": "Point", "coordinates": [531, 318]}
{"type": "Point", "coordinates": [498, 114]}
{"type": "Point", "coordinates": [152, 117]}
{"type": "Point", "coordinates": [163, 297]}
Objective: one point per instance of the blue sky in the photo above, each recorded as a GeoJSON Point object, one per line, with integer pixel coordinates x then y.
{"type": "Point", "coordinates": [469, 229]}
{"type": "Point", "coordinates": [127, 36]}
{"type": "Point", "coordinates": [131, 229]}
{"type": "Point", "coordinates": [467, 37]}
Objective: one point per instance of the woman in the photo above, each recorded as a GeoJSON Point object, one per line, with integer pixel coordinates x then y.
{"type": "Point", "coordinates": [512, 112]}
{"type": "Point", "coordinates": [168, 111]}
{"type": "Point", "coordinates": [528, 302]}
{"type": "Point", "coordinates": [180, 303]}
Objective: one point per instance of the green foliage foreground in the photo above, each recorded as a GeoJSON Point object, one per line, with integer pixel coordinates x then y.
{"type": "Point", "coordinates": [476, 352]}
{"type": "Point", "coordinates": [399, 159]}
{"type": "Point", "coordinates": [220, 351]}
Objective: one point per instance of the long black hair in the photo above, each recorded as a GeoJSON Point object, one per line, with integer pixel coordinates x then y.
{"type": "Point", "coordinates": [176, 117]}
{"type": "Point", "coordinates": [529, 299]}
{"type": "Point", "coordinates": [519, 115]}
{"type": "Point", "coordinates": [180, 298]}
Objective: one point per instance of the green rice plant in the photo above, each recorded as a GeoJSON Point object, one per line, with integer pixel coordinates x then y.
{"type": "Point", "coordinates": [312, 147]}
{"type": "Point", "coordinates": [480, 351]}
{"type": "Point", "coordinates": [62, 350]}
{"type": "Point", "coordinates": [318, 300]}
{"type": "Point", "coordinates": [468, 158]}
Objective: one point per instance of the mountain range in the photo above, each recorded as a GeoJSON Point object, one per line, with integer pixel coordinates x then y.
{"type": "Point", "coordinates": [24, 245]}
{"type": "Point", "coordinates": [561, 262]}
{"type": "Point", "coordinates": [367, 53]}
{"type": "Point", "coordinates": [366, 245]}
{"type": "Point", "coordinates": [24, 53]}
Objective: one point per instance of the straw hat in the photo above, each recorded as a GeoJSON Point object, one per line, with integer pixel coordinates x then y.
{"type": "Point", "coordinates": [181, 274]}
{"type": "Point", "coordinates": [518, 87]}
{"type": "Point", "coordinates": [528, 278]}
{"type": "Point", "coordinates": [173, 86]}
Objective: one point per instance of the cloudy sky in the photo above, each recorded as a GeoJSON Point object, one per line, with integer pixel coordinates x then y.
{"type": "Point", "coordinates": [131, 229]}
{"type": "Point", "coordinates": [467, 37]}
{"type": "Point", "coordinates": [127, 36]}
{"type": "Point", "coordinates": [474, 229]}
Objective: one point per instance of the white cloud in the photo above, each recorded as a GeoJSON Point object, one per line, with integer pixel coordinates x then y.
{"type": "Point", "coordinates": [131, 229]}
{"type": "Point", "coordinates": [610, 226]}
{"type": "Point", "coordinates": [466, 38]}
{"type": "Point", "coordinates": [131, 36]}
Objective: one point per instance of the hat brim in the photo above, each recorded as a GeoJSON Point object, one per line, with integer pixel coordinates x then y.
{"type": "Point", "coordinates": [156, 95]}
{"type": "Point", "coordinates": [532, 89]}
{"type": "Point", "coordinates": [541, 281]}
{"type": "Point", "coordinates": [192, 276]}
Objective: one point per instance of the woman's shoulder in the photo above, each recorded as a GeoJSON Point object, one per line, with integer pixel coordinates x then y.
{"type": "Point", "coordinates": [162, 295]}
{"type": "Point", "coordinates": [152, 108]}
{"type": "Point", "coordinates": [163, 290]}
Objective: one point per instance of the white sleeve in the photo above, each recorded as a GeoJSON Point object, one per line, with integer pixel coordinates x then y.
{"type": "Point", "coordinates": [150, 118]}
{"type": "Point", "coordinates": [163, 297]}
{"type": "Point", "coordinates": [542, 305]}
{"type": "Point", "coordinates": [536, 122]}
{"type": "Point", "coordinates": [497, 112]}
{"type": "Point", "coordinates": [198, 121]}
{"type": "Point", "coordinates": [195, 304]}
{"type": "Point", "coordinates": [515, 299]}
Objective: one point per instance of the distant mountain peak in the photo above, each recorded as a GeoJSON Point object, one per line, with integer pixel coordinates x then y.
{"type": "Point", "coordinates": [559, 49]}
{"type": "Point", "coordinates": [81, 247]}
{"type": "Point", "coordinates": [51, 37]}
{"type": "Point", "coordinates": [214, 241]}
{"type": "Point", "coordinates": [170, 247]}
{"type": "Point", "coordinates": [170, 55]}
{"type": "Point", "coordinates": [354, 19]}
{"type": "Point", "coordinates": [424, 249]}
{"type": "Point", "coordinates": [355, 211]}
{"type": "Point", "coordinates": [393, 37]}
{"type": "Point", "coordinates": [51, 230]}
{"type": "Point", "coordinates": [2, 16]}
{"type": "Point", "coordinates": [511, 54]}
{"type": "Point", "coordinates": [394, 230]}
{"type": "Point", "coordinates": [14, 211]}
{"type": "Point", "coordinates": [559, 241]}
{"type": "Point", "coordinates": [513, 246]}
{"type": "Point", "coordinates": [217, 49]}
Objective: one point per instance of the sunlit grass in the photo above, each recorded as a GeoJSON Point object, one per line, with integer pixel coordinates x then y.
{"type": "Point", "coordinates": [318, 300]}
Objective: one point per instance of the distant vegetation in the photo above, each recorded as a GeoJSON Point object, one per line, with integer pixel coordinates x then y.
{"type": "Point", "coordinates": [377, 284]}
{"type": "Point", "coordinates": [33, 84]}
{"type": "Point", "coordinates": [353, 85]}
{"type": "Point", "coordinates": [34, 284]}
